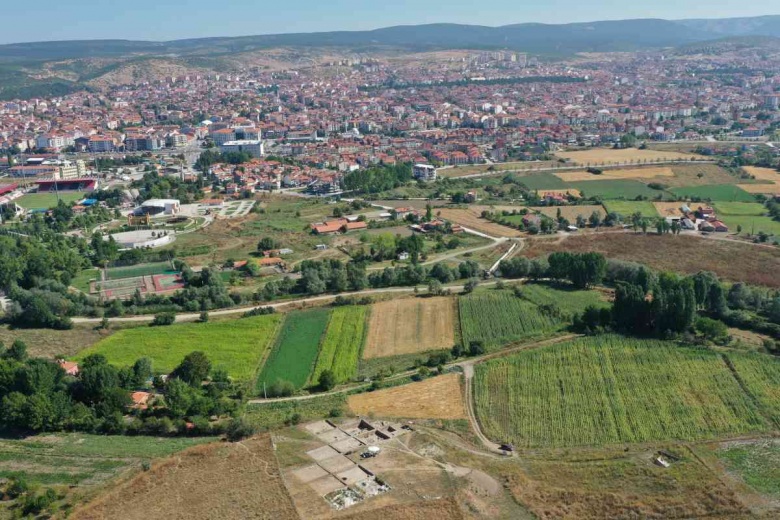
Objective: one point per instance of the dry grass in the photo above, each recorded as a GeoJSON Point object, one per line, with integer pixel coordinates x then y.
{"type": "Point", "coordinates": [49, 343]}
{"type": "Point", "coordinates": [569, 191]}
{"type": "Point", "coordinates": [234, 481]}
{"type": "Point", "coordinates": [763, 189]}
{"type": "Point", "coordinates": [468, 219]}
{"type": "Point", "coordinates": [763, 174]}
{"type": "Point", "coordinates": [609, 175]}
{"type": "Point", "coordinates": [436, 398]}
{"type": "Point", "coordinates": [601, 155]}
{"type": "Point", "coordinates": [731, 260]}
{"type": "Point", "coordinates": [570, 213]}
{"type": "Point", "coordinates": [668, 209]}
{"type": "Point", "coordinates": [408, 326]}
{"type": "Point", "coordinates": [427, 510]}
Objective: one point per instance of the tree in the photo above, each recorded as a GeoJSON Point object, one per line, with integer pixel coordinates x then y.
{"type": "Point", "coordinates": [327, 380]}
{"type": "Point", "coordinates": [470, 285]}
{"type": "Point", "coordinates": [18, 351]}
{"type": "Point", "coordinates": [163, 319]}
{"type": "Point", "coordinates": [711, 330]}
{"type": "Point", "coordinates": [267, 244]}
{"type": "Point", "coordinates": [435, 288]}
{"type": "Point", "coordinates": [204, 317]}
{"type": "Point", "coordinates": [194, 368]}
{"type": "Point", "coordinates": [142, 371]}
{"type": "Point", "coordinates": [179, 397]}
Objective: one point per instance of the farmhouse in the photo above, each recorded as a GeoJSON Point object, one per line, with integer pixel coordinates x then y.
{"type": "Point", "coordinates": [329, 227]}
{"type": "Point", "coordinates": [71, 368]}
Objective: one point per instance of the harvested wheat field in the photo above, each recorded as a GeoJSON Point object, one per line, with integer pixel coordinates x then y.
{"type": "Point", "coordinates": [436, 398]}
{"type": "Point", "coordinates": [763, 174]}
{"type": "Point", "coordinates": [602, 155]}
{"type": "Point", "coordinates": [428, 510]}
{"type": "Point", "coordinates": [613, 175]}
{"type": "Point", "coordinates": [731, 260]}
{"type": "Point", "coordinates": [669, 209]}
{"type": "Point", "coordinates": [468, 219]}
{"type": "Point", "coordinates": [409, 326]}
{"type": "Point", "coordinates": [234, 481]}
{"type": "Point", "coordinates": [763, 189]}
{"type": "Point", "coordinates": [570, 213]}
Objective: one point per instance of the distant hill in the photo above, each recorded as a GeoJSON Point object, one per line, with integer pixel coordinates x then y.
{"type": "Point", "coordinates": [754, 26]}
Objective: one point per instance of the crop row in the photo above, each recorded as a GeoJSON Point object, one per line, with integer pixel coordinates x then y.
{"type": "Point", "coordinates": [340, 350]}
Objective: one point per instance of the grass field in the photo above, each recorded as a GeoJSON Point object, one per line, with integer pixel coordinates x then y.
{"type": "Point", "coordinates": [81, 280]}
{"type": "Point", "coordinates": [499, 317]}
{"type": "Point", "coordinates": [613, 389]}
{"type": "Point", "coordinates": [541, 181]}
{"type": "Point", "coordinates": [570, 212]}
{"type": "Point", "coordinates": [716, 192]}
{"type": "Point", "coordinates": [47, 200]}
{"type": "Point", "coordinates": [133, 271]}
{"type": "Point", "coordinates": [756, 463]}
{"type": "Point", "coordinates": [752, 225]}
{"type": "Point", "coordinates": [468, 219]}
{"type": "Point", "coordinates": [235, 345]}
{"type": "Point", "coordinates": [217, 480]}
{"type": "Point", "coordinates": [344, 337]}
{"type": "Point", "coordinates": [617, 174]}
{"type": "Point", "coordinates": [606, 155]}
{"type": "Point", "coordinates": [50, 343]}
{"type": "Point", "coordinates": [568, 300]}
{"type": "Point", "coordinates": [295, 351]}
{"type": "Point", "coordinates": [626, 208]}
{"type": "Point", "coordinates": [731, 260]}
{"type": "Point", "coordinates": [619, 189]}
{"type": "Point", "coordinates": [81, 459]}
{"type": "Point", "coordinates": [409, 326]}
{"type": "Point", "coordinates": [435, 398]}
{"type": "Point", "coordinates": [740, 209]}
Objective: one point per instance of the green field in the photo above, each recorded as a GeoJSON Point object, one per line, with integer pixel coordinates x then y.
{"type": "Point", "coordinates": [626, 208]}
{"type": "Point", "coordinates": [740, 209]}
{"type": "Point", "coordinates": [343, 343]}
{"type": "Point", "coordinates": [133, 271]}
{"type": "Point", "coordinates": [499, 317]}
{"type": "Point", "coordinates": [569, 301]}
{"type": "Point", "coordinates": [82, 459]}
{"type": "Point", "coordinates": [616, 189]}
{"type": "Point", "coordinates": [296, 348]}
{"type": "Point", "coordinates": [716, 192]}
{"type": "Point", "coordinates": [753, 225]}
{"type": "Point", "coordinates": [48, 200]}
{"type": "Point", "coordinates": [235, 345]}
{"type": "Point", "coordinates": [81, 280]}
{"type": "Point", "coordinates": [757, 463]}
{"type": "Point", "coordinates": [541, 181]}
{"type": "Point", "coordinates": [613, 389]}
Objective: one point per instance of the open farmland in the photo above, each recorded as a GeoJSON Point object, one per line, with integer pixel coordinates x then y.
{"type": "Point", "coordinates": [498, 317]}
{"type": "Point", "coordinates": [669, 209]}
{"type": "Point", "coordinates": [761, 377]}
{"type": "Point", "coordinates": [568, 300]}
{"type": "Point", "coordinates": [340, 351]}
{"type": "Point", "coordinates": [236, 345]}
{"type": "Point", "coordinates": [752, 225]}
{"type": "Point", "coordinates": [409, 326]}
{"type": "Point", "coordinates": [296, 348]}
{"type": "Point", "coordinates": [763, 174]}
{"type": "Point", "coordinates": [50, 343]}
{"type": "Point", "coordinates": [731, 260]}
{"type": "Point", "coordinates": [625, 155]}
{"type": "Point", "coordinates": [435, 398]}
{"type": "Point", "coordinates": [617, 174]}
{"type": "Point", "coordinates": [612, 389]}
{"type": "Point", "coordinates": [571, 212]}
{"type": "Point", "coordinates": [541, 181]}
{"type": "Point", "coordinates": [715, 192]}
{"type": "Point", "coordinates": [467, 218]}
{"type": "Point", "coordinates": [740, 209]}
{"type": "Point", "coordinates": [618, 189]}
{"type": "Point", "coordinates": [237, 481]}
{"type": "Point", "coordinates": [756, 463]}
{"type": "Point", "coordinates": [626, 208]}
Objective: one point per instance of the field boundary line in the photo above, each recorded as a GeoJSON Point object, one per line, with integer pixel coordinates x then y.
{"type": "Point", "coordinates": [253, 385]}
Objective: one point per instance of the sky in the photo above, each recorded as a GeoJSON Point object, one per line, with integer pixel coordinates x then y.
{"type": "Point", "coordinates": [48, 20]}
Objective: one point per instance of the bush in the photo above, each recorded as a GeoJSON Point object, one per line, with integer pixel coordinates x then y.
{"type": "Point", "coordinates": [163, 319]}
{"type": "Point", "coordinates": [239, 428]}
{"type": "Point", "coordinates": [280, 388]}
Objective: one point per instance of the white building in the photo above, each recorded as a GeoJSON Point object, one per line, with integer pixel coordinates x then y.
{"type": "Point", "coordinates": [72, 170]}
{"type": "Point", "coordinates": [159, 206]}
{"type": "Point", "coordinates": [424, 172]}
{"type": "Point", "coordinates": [253, 147]}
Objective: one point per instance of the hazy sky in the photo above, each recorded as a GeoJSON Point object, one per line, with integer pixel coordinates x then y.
{"type": "Point", "coordinates": [46, 20]}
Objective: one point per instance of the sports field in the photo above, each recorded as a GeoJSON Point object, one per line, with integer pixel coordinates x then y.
{"type": "Point", "coordinates": [48, 200]}
{"type": "Point", "coordinates": [610, 155]}
{"type": "Point", "coordinates": [236, 345]}
{"type": "Point", "coordinates": [132, 271]}
{"type": "Point", "coordinates": [613, 389]}
{"type": "Point", "coordinates": [435, 398]}
{"type": "Point", "coordinates": [409, 326]}
{"type": "Point", "coordinates": [295, 351]}
{"type": "Point", "coordinates": [717, 192]}
{"type": "Point", "coordinates": [626, 208]}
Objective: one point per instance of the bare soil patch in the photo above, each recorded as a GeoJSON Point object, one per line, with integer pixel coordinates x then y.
{"type": "Point", "coordinates": [408, 326]}
{"type": "Point", "coordinates": [468, 219]}
{"type": "Point", "coordinates": [764, 189]}
{"type": "Point", "coordinates": [601, 155]}
{"type": "Point", "coordinates": [436, 398]}
{"type": "Point", "coordinates": [235, 481]}
{"type": "Point", "coordinates": [669, 209]}
{"type": "Point", "coordinates": [731, 260]}
{"type": "Point", "coordinates": [427, 510]}
{"type": "Point", "coordinates": [763, 174]}
{"type": "Point", "coordinates": [607, 175]}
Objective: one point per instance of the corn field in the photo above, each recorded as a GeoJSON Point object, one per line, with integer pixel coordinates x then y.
{"type": "Point", "coordinates": [612, 389]}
